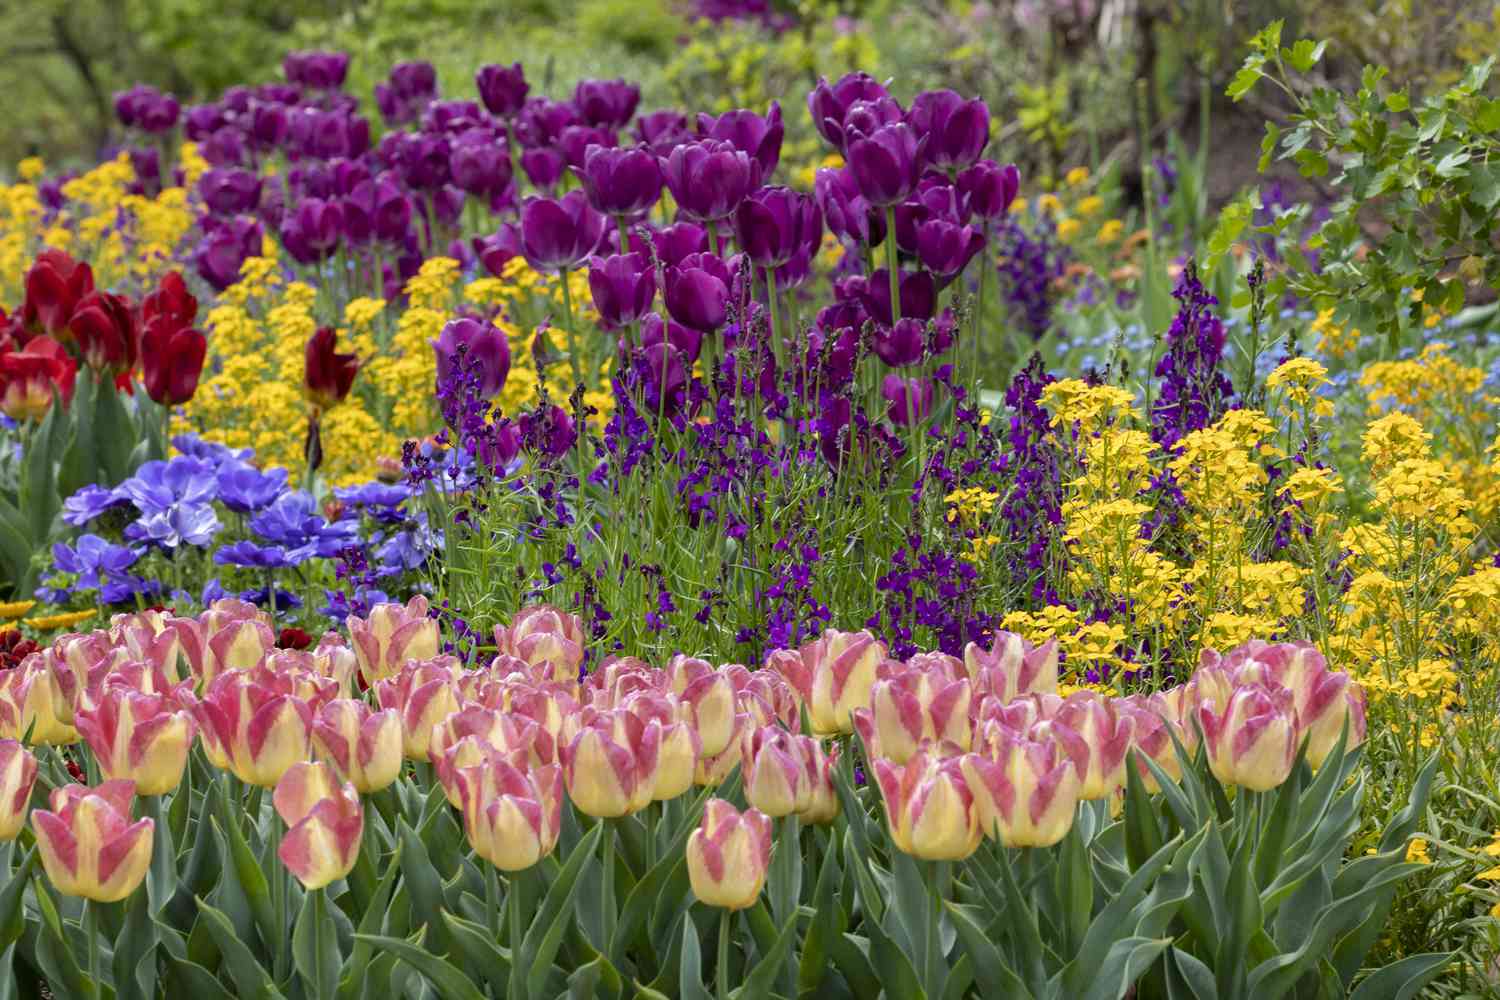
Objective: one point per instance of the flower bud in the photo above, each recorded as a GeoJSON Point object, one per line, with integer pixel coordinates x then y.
{"type": "Point", "coordinates": [1027, 794]}
{"type": "Point", "coordinates": [423, 694]}
{"type": "Point", "coordinates": [930, 809]}
{"type": "Point", "coordinates": [17, 776]}
{"type": "Point", "coordinates": [1252, 742]}
{"type": "Point", "coordinates": [363, 746]}
{"type": "Point", "coordinates": [392, 635]}
{"type": "Point", "coordinates": [611, 766]}
{"type": "Point", "coordinates": [88, 845]}
{"type": "Point", "coordinates": [1107, 735]}
{"type": "Point", "coordinates": [728, 855]}
{"type": "Point", "coordinates": [512, 813]}
{"type": "Point", "coordinates": [254, 725]}
{"type": "Point", "coordinates": [776, 780]}
{"type": "Point", "coordinates": [823, 802]}
{"type": "Point", "coordinates": [323, 844]}
{"type": "Point", "coordinates": [910, 707]}
{"type": "Point", "coordinates": [833, 675]}
{"type": "Point", "coordinates": [144, 737]}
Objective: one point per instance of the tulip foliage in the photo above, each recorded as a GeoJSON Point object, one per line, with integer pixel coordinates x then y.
{"type": "Point", "coordinates": [187, 808]}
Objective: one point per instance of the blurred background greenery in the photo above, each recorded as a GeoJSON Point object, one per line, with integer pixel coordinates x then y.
{"type": "Point", "coordinates": [1069, 81]}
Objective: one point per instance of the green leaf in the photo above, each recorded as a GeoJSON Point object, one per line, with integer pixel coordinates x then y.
{"type": "Point", "coordinates": [134, 962]}
{"type": "Point", "coordinates": [597, 978]}
{"type": "Point", "coordinates": [187, 978]}
{"type": "Point", "coordinates": [80, 462]}
{"type": "Point", "coordinates": [1127, 960]}
{"type": "Point", "coordinates": [690, 974]}
{"type": "Point", "coordinates": [989, 963]}
{"type": "Point", "coordinates": [1188, 978]}
{"type": "Point", "coordinates": [646, 895]}
{"type": "Point", "coordinates": [424, 884]}
{"type": "Point", "coordinates": [852, 962]}
{"type": "Point", "coordinates": [53, 954]}
{"type": "Point", "coordinates": [315, 945]}
{"type": "Point", "coordinates": [830, 921]}
{"type": "Point", "coordinates": [360, 960]}
{"type": "Point", "coordinates": [893, 966]}
{"type": "Point", "coordinates": [1245, 80]}
{"type": "Point", "coordinates": [114, 435]}
{"type": "Point", "coordinates": [450, 983]}
{"type": "Point", "coordinates": [1304, 54]}
{"type": "Point", "coordinates": [252, 880]}
{"type": "Point", "coordinates": [12, 915]}
{"type": "Point", "coordinates": [758, 984]}
{"type": "Point", "coordinates": [248, 974]}
{"type": "Point", "coordinates": [545, 935]}
{"type": "Point", "coordinates": [1231, 223]}
{"type": "Point", "coordinates": [478, 948]}
{"type": "Point", "coordinates": [1401, 980]}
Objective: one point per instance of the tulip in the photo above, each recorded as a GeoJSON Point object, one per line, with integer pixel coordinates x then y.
{"type": "Point", "coordinates": [145, 737]}
{"type": "Point", "coordinates": [681, 749]}
{"type": "Point", "coordinates": [611, 766]}
{"type": "Point", "coordinates": [548, 432]}
{"type": "Point", "coordinates": [503, 89]}
{"type": "Point", "coordinates": [299, 791]}
{"type": "Point", "coordinates": [329, 375]}
{"type": "Point", "coordinates": [930, 810]}
{"type": "Point", "coordinates": [823, 804]}
{"type": "Point", "coordinates": [32, 376]}
{"type": "Point", "coordinates": [254, 725]}
{"type": "Point", "coordinates": [776, 778]}
{"type": "Point", "coordinates": [917, 290]}
{"type": "Point", "coordinates": [1026, 791]}
{"type": "Point", "coordinates": [606, 103]}
{"type": "Point", "coordinates": [909, 399]}
{"type": "Point", "coordinates": [715, 769]}
{"type": "Point", "coordinates": [312, 232]}
{"type": "Point", "coordinates": [423, 693]}
{"type": "Point", "coordinates": [220, 254]}
{"type": "Point", "coordinates": [171, 362]}
{"type": "Point", "coordinates": [828, 104]}
{"type": "Point", "coordinates": [775, 222]}
{"type": "Point", "coordinates": [229, 191]}
{"type": "Point", "coordinates": [88, 845]}
{"type": "Point", "coordinates": [323, 844]}
{"type": "Point", "coordinates": [1325, 704]}
{"type": "Point", "coordinates": [17, 776]}
{"type": "Point", "coordinates": [696, 292]}
{"type": "Point", "coordinates": [543, 167]}
{"type": "Point", "coordinates": [760, 138]}
{"type": "Point", "coordinates": [512, 813]}
{"type": "Point", "coordinates": [956, 130]}
{"type": "Point", "coordinates": [675, 242]}
{"type": "Point", "coordinates": [848, 214]}
{"type": "Point", "coordinates": [485, 351]}
{"type": "Point", "coordinates": [471, 730]}
{"type": "Point", "coordinates": [832, 675]}
{"type": "Point", "coordinates": [318, 70]}
{"type": "Point", "coordinates": [559, 234]}
{"type": "Point", "coordinates": [1152, 736]}
{"type": "Point", "coordinates": [32, 701]}
{"type": "Point", "coordinates": [910, 708]}
{"type": "Point", "coordinates": [103, 326]}
{"type": "Point", "coordinates": [1011, 667]}
{"type": "Point", "coordinates": [945, 248]}
{"type": "Point", "coordinates": [728, 856]}
{"type": "Point", "coordinates": [621, 182]}
{"type": "Point", "coordinates": [542, 634]}
{"type": "Point", "coordinates": [230, 636]}
{"type": "Point", "coordinates": [709, 179]}
{"type": "Point", "coordinates": [55, 284]}
{"type": "Point", "coordinates": [364, 746]}
{"type": "Point", "coordinates": [766, 697]}
{"type": "Point", "coordinates": [903, 344]}
{"type": "Point", "coordinates": [662, 131]}
{"type": "Point", "coordinates": [481, 167]}
{"type": "Point", "coordinates": [1107, 733]}
{"type": "Point", "coordinates": [623, 286]}
{"type": "Point", "coordinates": [886, 163]}
{"type": "Point", "coordinates": [988, 188]}
{"type": "Point", "coordinates": [708, 704]}
{"type": "Point", "coordinates": [1252, 741]}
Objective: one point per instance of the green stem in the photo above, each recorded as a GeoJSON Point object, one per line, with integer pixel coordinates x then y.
{"type": "Point", "coordinates": [891, 263]}
{"type": "Point", "coordinates": [721, 969]}
{"type": "Point", "coordinates": [775, 316]}
{"type": "Point", "coordinates": [91, 934]}
{"type": "Point", "coordinates": [567, 297]}
{"type": "Point", "coordinates": [607, 895]}
{"type": "Point", "coordinates": [278, 898]}
{"type": "Point", "coordinates": [492, 899]}
{"type": "Point", "coordinates": [517, 989]}
{"type": "Point", "coordinates": [320, 915]}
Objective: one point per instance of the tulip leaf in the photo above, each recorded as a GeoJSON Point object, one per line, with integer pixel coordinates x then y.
{"type": "Point", "coordinates": [989, 964]}
{"type": "Point", "coordinates": [315, 945]}
{"type": "Point", "coordinates": [161, 878]}
{"type": "Point", "coordinates": [648, 895]}
{"type": "Point", "coordinates": [369, 922]}
{"type": "Point", "coordinates": [1028, 939]}
{"type": "Point", "coordinates": [424, 884]}
{"type": "Point", "coordinates": [9, 988]}
{"type": "Point", "coordinates": [547, 928]}
{"type": "Point", "coordinates": [856, 860]}
{"type": "Point", "coordinates": [1188, 978]}
{"type": "Point", "coordinates": [892, 966]}
{"type": "Point", "coordinates": [12, 914]}
{"type": "Point", "coordinates": [230, 898]}
{"type": "Point", "coordinates": [114, 433]}
{"type": "Point", "coordinates": [252, 880]}
{"type": "Point", "coordinates": [38, 486]}
{"type": "Point", "coordinates": [80, 461]}
{"type": "Point", "coordinates": [134, 961]}
{"type": "Point", "coordinates": [450, 983]}
{"type": "Point", "coordinates": [595, 978]}
{"type": "Point", "coordinates": [1143, 833]}
{"type": "Point", "coordinates": [248, 974]}
{"type": "Point", "coordinates": [960, 978]}
{"type": "Point", "coordinates": [1075, 887]}
{"type": "Point", "coordinates": [859, 850]}
{"type": "Point", "coordinates": [1127, 960]}
{"type": "Point", "coordinates": [16, 546]}
{"type": "Point", "coordinates": [1277, 830]}
{"type": "Point", "coordinates": [850, 958]}
{"type": "Point", "coordinates": [690, 975]}
{"type": "Point", "coordinates": [1401, 980]}
{"type": "Point", "coordinates": [757, 984]}
{"type": "Point", "coordinates": [191, 979]}
{"type": "Point", "coordinates": [829, 922]}
{"type": "Point", "coordinates": [475, 943]}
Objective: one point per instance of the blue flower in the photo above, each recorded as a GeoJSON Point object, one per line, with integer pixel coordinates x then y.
{"type": "Point", "coordinates": [125, 588]}
{"type": "Point", "coordinates": [213, 591]}
{"type": "Point", "coordinates": [158, 486]}
{"type": "Point", "coordinates": [341, 605]}
{"type": "Point", "coordinates": [89, 502]}
{"type": "Point", "coordinates": [381, 501]}
{"type": "Point", "coordinates": [245, 489]}
{"type": "Point", "coordinates": [246, 553]}
{"type": "Point", "coordinates": [93, 561]}
{"type": "Point", "coordinates": [185, 523]}
{"type": "Point", "coordinates": [195, 447]}
{"type": "Point", "coordinates": [408, 549]}
{"type": "Point", "coordinates": [285, 599]}
{"type": "Point", "coordinates": [292, 520]}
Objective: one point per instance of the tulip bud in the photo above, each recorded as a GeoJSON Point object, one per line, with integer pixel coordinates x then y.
{"type": "Point", "coordinates": [423, 694]}
{"type": "Point", "coordinates": [329, 375]}
{"type": "Point", "coordinates": [1252, 742]}
{"type": "Point", "coordinates": [823, 804]}
{"type": "Point", "coordinates": [1012, 667]}
{"type": "Point", "coordinates": [1331, 702]}
{"type": "Point", "coordinates": [776, 779]}
{"type": "Point", "coordinates": [363, 746]}
{"type": "Point", "coordinates": [512, 814]}
{"type": "Point", "coordinates": [145, 737]}
{"type": "Point", "coordinates": [930, 809]}
{"type": "Point", "coordinates": [715, 770]}
{"type": "Point", "coordinates": [1107, 735]}
{"type": "Point", "coordinates": [542, 634]}
{"type": "Point", "coordinates": [88, 845]}
{"type": "Point", "coordinates": [681, 749]}
{"type": "Point", "coordinates": [708, 705]}
{"type": "Point", "coordinates": [32, 701]}
{"type": "Point", "coordinates": [323, 844]}
{"type": "Point", "coordinates": [304, 785]}
{"type": "Point", "coordinates": [254, 725]}
{"type": "Point", "coordinates": [611, 766]}
{"type": "Point", "coordinates": [392, 635]}
{"type": "Point", "coordinates": [833, 675]}
{"type": "Point", "coordinates": [911, 707]}
{"type": "Point", "coordinates": [728, 855]}
{"type": "Point", "coordinates": [17, 776]}
{"type": "Point", "coordinates": [1027, 794]}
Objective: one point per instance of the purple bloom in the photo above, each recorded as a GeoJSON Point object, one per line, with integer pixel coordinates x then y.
{"type": "Point", "coordinates": [988, 188]}
{"type": "Point", "coordinates": [709, 179]}
{"type": "Point", "coordinates": [93, 559]}
{"type": "Point", "coordinates": [245, 489]}
{"type": "Point", "coordinates": [748, 132]}
{"type": "Point", "coordinates": [886, 163]}
{"type": "Point", "coordinates": [901, 345]}
{"type": "Point", "coordinates": [227, 191]}
{"type": "Point", "coordinates": [543, 166]}
{"type": "Point", "coordinates": [621, 182]}
{"type": "Point", "coordinates": [606, 103]}
{"type": "Point", "coordinates": [181, 524]}
{"type": "Point", "coordinates": [480, 167]}
{"type": "Point", "coordinates": [1193, 391]}
{"type": "Point", "coordinates": [827, 104]}
{"type": "Point", "coordinates": [676, 241]}
{"type": "Point", "coordinates": [223, 249]}
{"type": "Point", "coordinates": [89, 503]}
{"type": "Point", "coordinates": [251, 556]}
{"type": "Point", "coordinates": [503, 89]}
{"type": "Point", "coordinates": [662, 131]}
{"type": "Point", "coordinates": [848, 214]}
{"type": "Point", "coordinates": [559, 234]}
{"type": "Point", "coordinates": [158, 486]}
{"type": "Point", "coordinates": [313, 231]}
{"type": "Point", "coordinates": [316, 70]}
{"type": "Point", "coordinates": [482, 345]}
{"type": "Point", "coordinates": [292, 520]}
{"type": "Point", "coordinates": [917, 290]}
{"type": "Point", "coordinates": [956, 130]}
{"type": "Point", "coordinates": [946, 248]}
{"type": "Point", "coordinates": [623, 287]}
{"type": "Point", "coordinates": [697, 292]}
{"type": "Point", "coordinates": [774, 223]}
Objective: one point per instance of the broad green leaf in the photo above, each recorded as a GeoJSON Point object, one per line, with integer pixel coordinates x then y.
{"type": "Point", "coordinates": [479, 949]}
{"type": "Point", "coordinates": [450, 983]}
{"type": "Point", "coordinates": [757, 985]}
{"type": "Point", "coordinates": [315, 945]}
{"type": "Point", "coordinates": [1127, 960]}
{"type": "Point", "coordinates": [1401, 980]}
{"type": "Point", "coordinates": [547, 928]}
{"type": "Point", "coordinates": [249, 975]}
{"type": "Point", "coordinates": [989, 964]}
{"type": "Point", "coordinates": [252, 881]}
{"type": "Point", "coordinates": [690, 969]}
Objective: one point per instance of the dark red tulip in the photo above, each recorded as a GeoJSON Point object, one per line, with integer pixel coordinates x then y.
{"type": "Point", "coordinates": [772, 224]}
{"type": "Point", "coordinates": [621, 182]}
{"type": "Point", "coordinates": [623, 287]}
{"type": "Point", "coordinates": [988, 188]}
{"type": "Point", "coordinates": [486, 352]}
{"type": "Point", "coordinates": [750, 133]}
{"type": "Point", "coordinates": [886, 163]}
{"type": "Point", "coordinates": [828, 103]}
{"type": "Point", "coordinates": [559, 234]}
{"type": "Point", "coordinates": [918, 296]}
{"type": "Point", "coordinates": [945, 248]}
{"type": "Point", "coordinates": [54, 285]}
{"type": "Point", "coordinates": [171, 361]}
{"type": "Point", "coordinates": [171, 301]}
{"type": "Point", "coordinates": [329, 375]}
{"type": "Point", "coordinates": [293, 638]}
{"type": "Point", "coordinates": [30, 377]}
{"type": "Point", "coordinates": [709, 179]}
{"type": "Point", "coordinates": [103, 327]}
{"type": "Point", "coordinates": [956, 130]}
{"type": "Point", "coordinates": [503, 89]}
{"type": "Point", "coordinates": [697, 292]}
{"type": "Point", "coordinates": [910, 399]}
{"type": "Point", "coordinates": [607, 103]}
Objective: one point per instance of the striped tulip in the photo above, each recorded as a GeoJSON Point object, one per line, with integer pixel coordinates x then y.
{"type": "Point", "coordinates": [144, 737]}
{"type": "Point", "coordinates": [1252, 741]}
{"type": "Point", "coordinates": [226, 639]}
{"type": "Point", "coordinates": [88, 845]}
{"type": "Point", "coordinates": [929, 807]}
{"type": "Point", "coordinates": [611, 766]}
{"type": "Point", "coordinates": [1107, 733]}
{"type": "Point", "coordinates": [728, 855]}
{"type": "Point", "coordinates": [32, 701]}
{"type": "Point", "coordinates": [1026, 791]}
{"type": "Point", "coordinates": [363, 746]}
{"type": "Point", "coordinates": [777, 781]}
{"type": "Point", "coordinates": [17, 776]}
{"type": "Point", "coordinates": [708, 706]}
{"type": "Point", "coordinates": [833, 675]}
{"type": "Point", "coordinates": [910, 706]}
{"type": "Point", "coordinates": [391, 636]}
{"type": "Point", "coordinates": [322, 844]}
{"type": "Point", "coordinates": [543, 634]}
{"type": "Point", "coordinates": [1011, 667]}
{"type": "Point", "coordinates": [254, 726]}
{"type": "Point", "coordinates": [512, 811]}
{"type": "Point", "coordinates": [423, 694]}
{"type": "Point", "coordinates": [823, 805]}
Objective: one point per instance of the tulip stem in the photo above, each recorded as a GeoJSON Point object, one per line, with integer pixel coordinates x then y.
{"type": "Point", "coordinates": [492, 900]}
{"type": "Point", "coordinates": [721, 969]}
{"type": "Point", "coordinates": [517, 989]}
{"type": "Point", "coordinates": [891, 264]}
{"type": "Point", "coordinates": [567, 297]}
{"type": "Point", "coordinates": [607, 896]}
{"type": "Point", "coordinates": [91, 935]}
{"type": "Point", "coordinates": [320, 917]}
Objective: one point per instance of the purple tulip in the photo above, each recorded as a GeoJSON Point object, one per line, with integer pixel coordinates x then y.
{"type": "Point", "coordinates": [796, 271]}
{"type": "Point", "coordinates": [910, 399]}
{"type": "Point", "coordinates": [607, 103]}
{"type": "Point", "coordinates": [237, 100]}
{"type": "Point", "coordinates": [902, 344]}
{"type": "Point", "coordinates": [709, 179]}
{"type": "Point", "coordinates": [662, 373]}
{"type": "Point", "coordinates": [747, 131]}
{"type": "Point", "coordinates": [268, 126]}
{"type": "Point", "coordinates": [828, 103]}
{"type": "Point", "coordinates": [623, 287]}
{"type": "Point", "coordinates": [485, 350]}
{"type": "Point", "coordinates": [674, 242]}
{"type": "Point", "coordinates": [480, 168]}
{"type": "Point", "coordinates": [575, 141]}
{"type": "Point", "coordinates": [621, 182]}
{"type": "Point", "coordinates": [224, 248]}
{"type": "Point", "coordinates": [312, 232]}
{"type": "Point", "coordinates": [503, 89]}
{"type": "Point", "coordinates": [497, 449]}
{"type": "Point", "coordinates": [147, 166]}
{"type": "Point", "coordinates": [655, 330]}
{"type": "Point", "coordinates": [317, 70]}
{"type": "Point", "coordinates": [310, 180]}
{"type": "Point", "coordinates": [200, 121]}
{"type": "Point", "coordinates": [227, 191]}
{"type": "Point", "coordinates": [956, 130]}
{"type": "Point", "coordinates": [424, 162]}
{"type": "Point", "coordinates": [414, 81]}
{"type": "Point", "coordinates": [147, 109]}
{"type": "Point", "coordinates": [848, 214]}
{"type": "Point", "coordinates": [542, 121]}
{"type": "Point", "coordinates": [447, 205]}
{"type": "Point", "coordinates": [886, 163]}
{"type": "Point", "coordinates": [392, 211]}
{"type": "Point", "coordinates": [662, 131]}
{"type": "Point", "coordinates": [945, 248]}
{"type": "Point", "coordinates": [497, 250]}
{"type": "Point", "coordinates": [988, 188]}
{"type": "Point", "coordinates": [918, 296]}
{"type": "Point", "coordinates": [549, 432]}
{"type": "Point", "coordinates": [558, 234]}
{"type": "Point", "coordinates": [697, 292]}
{"type": "Point", "coordinates": [773, 223]}
{"type": "Point", "coordinates": [225, 148]}
{"type": "Point", "coordinates": [543, 167]}
{"type": "Point", "coordinates": [348, 175]}
{"type": "Point", "coordinates": [864, 117]}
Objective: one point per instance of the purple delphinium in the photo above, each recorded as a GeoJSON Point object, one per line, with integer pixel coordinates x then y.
{"type": "Point", "coordinates": [1031, 262]}
{"type": "Point", "coordinates": [1192, 392]}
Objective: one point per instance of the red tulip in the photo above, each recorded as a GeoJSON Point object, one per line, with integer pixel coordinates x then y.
{"type": "Point", "coordinates": [171, 301]}
{"type": "Point", "coordinates": [54, 286]}
{"type": "Point", "coordinates": [29, 377]}
{"type": "Point", "coordinates": [171, 361]}
{"type": "Point", "coordinates": [104, 327]}
{"type": "Point", "coordinates": [329, 374]}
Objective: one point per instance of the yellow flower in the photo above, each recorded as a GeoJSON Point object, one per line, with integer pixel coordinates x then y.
{"type": "Point", "coordinates": [16, 609]}
{"type": "Point", "coordinates": [1110, 232]}
{"type": "Point", "coordinates": [1417, 851]}
{"type": "Point", "coordinates": [1300, 376]}
{"type": "Point", "coordinates": [31, 168]}
{"type": "Point", "coordinates": [1067, 229]}
{"type": "Point", "coordinates": [1076, 176]}
{"type": "Point", "coordinates": [67, 619]}
{"type": "Point", "coordinates": [1049, 204]}
{"type": "Point", "coordinates": [1090, 205]}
